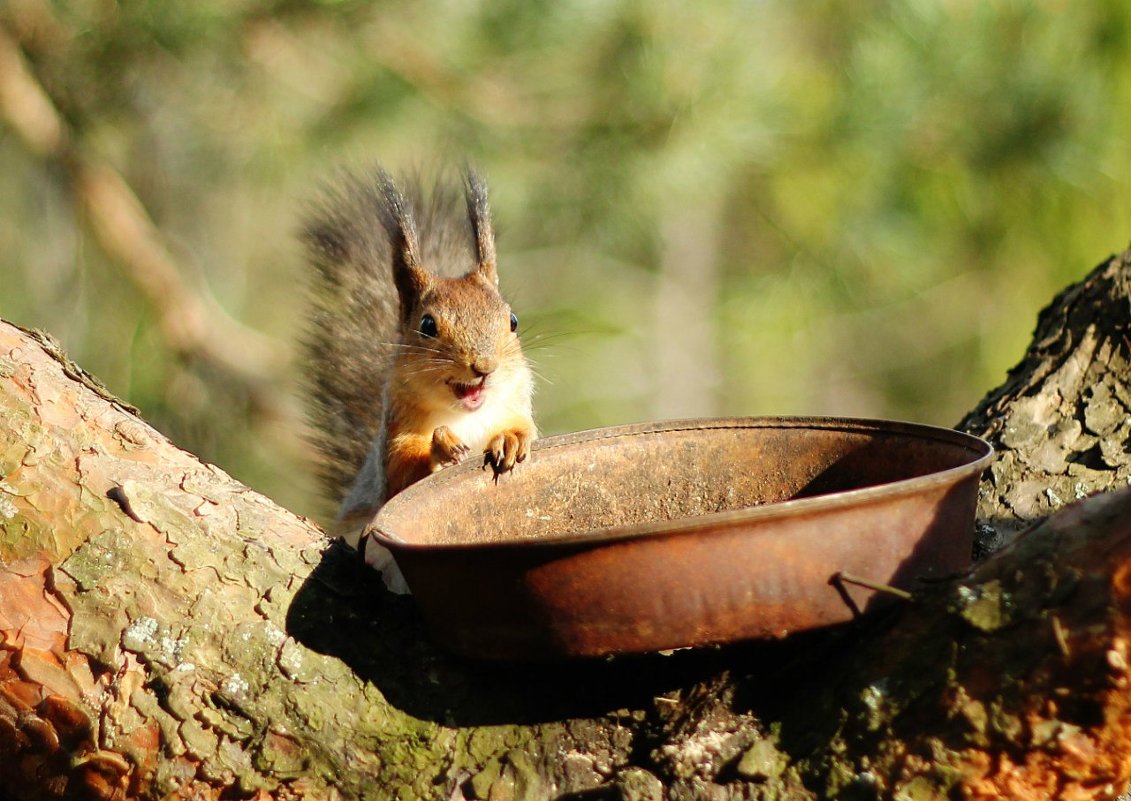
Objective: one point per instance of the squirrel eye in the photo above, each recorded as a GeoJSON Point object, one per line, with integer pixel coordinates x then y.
{"type": "Point", "coordinates": [514, 321]}
{"type": "Point", "coordinates": [428, 326]}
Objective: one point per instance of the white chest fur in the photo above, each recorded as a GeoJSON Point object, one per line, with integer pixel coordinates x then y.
{"type": "Point", "coordinates": [503, 404]}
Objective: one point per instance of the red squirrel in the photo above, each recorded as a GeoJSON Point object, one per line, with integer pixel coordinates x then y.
{"type": "Point", "coordinates": [415, 360]}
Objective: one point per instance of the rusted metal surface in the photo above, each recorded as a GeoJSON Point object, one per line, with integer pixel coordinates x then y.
{"type": "Point", "coordinates": [685, 533]}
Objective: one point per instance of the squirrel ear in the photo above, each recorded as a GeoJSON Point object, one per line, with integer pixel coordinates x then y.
{"type": "Point", "coordinates": [412, 281]}
{"type": "Point", "coordinates": [479, 213]}
{"type": "Point", "coordinates": [409, 277]}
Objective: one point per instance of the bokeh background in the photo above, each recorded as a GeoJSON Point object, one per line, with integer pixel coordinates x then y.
{"type": "Point", "coordinates": [749, 207]}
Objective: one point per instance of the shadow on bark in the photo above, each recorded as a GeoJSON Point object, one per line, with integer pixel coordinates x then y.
{"type": "Point", "coordinates": [343, 596]}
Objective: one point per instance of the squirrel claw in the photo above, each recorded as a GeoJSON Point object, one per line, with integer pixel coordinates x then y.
{"type": "Point", "coordinates": [496, 463]}
{"type": "Point", "coordinates": [447, 448]}
{"type": "Point", "coordinates": [505, 450]}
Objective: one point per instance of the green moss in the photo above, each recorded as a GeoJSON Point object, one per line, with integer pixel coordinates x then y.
{"type": "Point", "coordinates": [975, 715]}
{"type": "Point", "coordinates": [636, 784]}
{"type": "Point", "coordinates": [920, 788]}
{"type": "Point", "coordinates": [1005, 724]}
{"type": "Point", "coordinates": [762, 761]}
{"type": "Point", "coordinates": [199, 741]}
{"type": "Point", "coordinates": [481, 782]}
{"type": "Point", "coordinates": [15, 531]}
{"type": "Point", "coordinates": [486, 742]}
{"type": "Point", "coordinates": [987, 607]}
{"type": "Point", "coordinates": [528, 782]}
{"type": "Point", "coordinates": [840, 775]}
{"type": "Point", "coordinates": [282, 762]}
{"type": "Point", "coordinates": [104, 555]}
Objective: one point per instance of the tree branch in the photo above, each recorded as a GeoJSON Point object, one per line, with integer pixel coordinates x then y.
{"type": "Point", "coordinates": [166, 632]}
{"type": "Point", "coordinates": [191, 322]}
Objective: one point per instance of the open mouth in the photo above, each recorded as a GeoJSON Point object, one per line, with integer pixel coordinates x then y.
{"type": "Point", "coordinates": [470, 396]}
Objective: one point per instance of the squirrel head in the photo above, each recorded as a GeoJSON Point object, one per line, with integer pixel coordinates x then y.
{"type": "Point", "coordinates": [458, 335]}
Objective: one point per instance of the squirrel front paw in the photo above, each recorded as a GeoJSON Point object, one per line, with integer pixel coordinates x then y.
{"type": "Point", "coordinates": [447, 448]}
{"type": "Point", "coordinates": [506, 449]}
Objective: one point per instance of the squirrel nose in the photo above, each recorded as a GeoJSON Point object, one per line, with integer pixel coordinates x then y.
{"type": "Point", "coordinates": [483, 367]}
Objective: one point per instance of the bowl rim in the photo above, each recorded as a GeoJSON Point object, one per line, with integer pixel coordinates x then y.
{"type": "Point", "coordinates": [981, 452]}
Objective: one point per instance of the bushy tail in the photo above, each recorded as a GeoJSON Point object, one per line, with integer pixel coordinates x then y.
{"type": "Point", "coordinates": [351, 326]}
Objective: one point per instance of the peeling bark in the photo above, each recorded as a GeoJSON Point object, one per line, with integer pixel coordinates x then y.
{"type": "Point", "coordinates": [168, 633]}
{"type": "Point", "coordinates": [1061, 421]}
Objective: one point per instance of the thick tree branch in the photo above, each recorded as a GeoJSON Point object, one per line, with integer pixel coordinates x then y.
{"type": "Point", "coordinates": [166, 632]}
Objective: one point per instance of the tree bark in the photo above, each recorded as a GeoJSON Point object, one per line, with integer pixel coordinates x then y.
{"type": "Point", "coordinates": [168, 633]}
{"type": "Point", "coordinates": [1061, 421]}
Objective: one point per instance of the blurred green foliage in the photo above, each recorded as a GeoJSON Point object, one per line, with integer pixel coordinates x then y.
{"type": "Point", "coordinates": [747, 207]}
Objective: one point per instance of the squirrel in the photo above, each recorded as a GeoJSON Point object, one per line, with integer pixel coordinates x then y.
{"type": "Point", "coordinates": [415, 360]}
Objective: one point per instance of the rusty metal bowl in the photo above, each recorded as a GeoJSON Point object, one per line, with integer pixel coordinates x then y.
{"type": "Point", "coordinates": [666, 535]}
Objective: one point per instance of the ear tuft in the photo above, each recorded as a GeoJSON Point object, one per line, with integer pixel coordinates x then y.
{"type": "Point", "coordinates": [410, 278]}
{"type": "Point", "coordinates": [479, 214]}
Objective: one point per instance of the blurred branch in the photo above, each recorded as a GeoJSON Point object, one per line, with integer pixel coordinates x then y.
{"type": "Point", "coordinates": [25, 106]}
{"type": "Point", "coordinates": [190, 321]}
{"type": "Point", "coordinates": [687, 365]}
